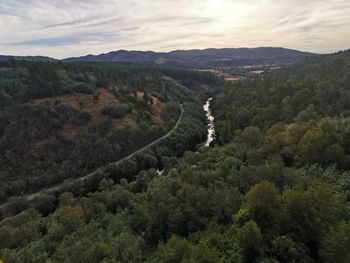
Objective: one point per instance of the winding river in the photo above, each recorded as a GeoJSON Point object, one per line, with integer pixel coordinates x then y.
{"type": "Point", "coordinates": [210, 119]}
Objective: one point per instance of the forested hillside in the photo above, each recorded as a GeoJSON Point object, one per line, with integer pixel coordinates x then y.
{"type": "Point", "coordinates": [274, 188]}
{"type": "Point", "coordinates": [60, 121]}
{"type": "Point", "coordinates": [304, 110]}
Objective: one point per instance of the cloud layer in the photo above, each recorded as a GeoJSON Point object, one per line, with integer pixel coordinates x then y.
{"type": "Point", "coordinates": [62, 28]}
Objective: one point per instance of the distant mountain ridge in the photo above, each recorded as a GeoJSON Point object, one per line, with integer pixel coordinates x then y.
{"type": "Point", "coordinates": [201, 58]}
{"type": "Point", "coordinates": [195, 58]}
{"type": "Point", "coordinates": [29, 58]}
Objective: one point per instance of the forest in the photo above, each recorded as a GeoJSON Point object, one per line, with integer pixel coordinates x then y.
{"type": "Point", "coordinates": [274, 187]}
{"type": "Point", "coordinates": [62, 121]}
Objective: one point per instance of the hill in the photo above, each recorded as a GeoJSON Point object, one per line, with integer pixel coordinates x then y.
{"type": "Point", "coordinates": [207, 58]}
{"type": "Point", "coordinates": [61, 121]}
{"type": "Point", "coordinates": [5, 58]}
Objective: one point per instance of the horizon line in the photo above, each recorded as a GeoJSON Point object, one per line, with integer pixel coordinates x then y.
{"type": "Point", "coordinates": [174, 50]}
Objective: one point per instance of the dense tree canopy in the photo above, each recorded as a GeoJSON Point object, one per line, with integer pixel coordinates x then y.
{"type": "Point", "coordinates": [46, 136]}
{"type": "Point", "coordinates": [274, 188]}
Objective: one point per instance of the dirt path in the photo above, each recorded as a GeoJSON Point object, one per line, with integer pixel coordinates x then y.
{"type": "Point", "coordinates": [57, 187]}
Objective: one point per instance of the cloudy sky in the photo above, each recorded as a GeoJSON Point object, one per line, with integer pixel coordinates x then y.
{"type": "Point", "coordinates": [63, 28]}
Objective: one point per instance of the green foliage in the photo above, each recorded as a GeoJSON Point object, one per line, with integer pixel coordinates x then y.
{"type": "Point", "coordinates": [336, 244]}
{"type": "Point", "coordinates": [116, 110]}
{"type": "Point", "coordinates": [178, 249]}
{"type": "Point", "coordinates": [262, 203]}
{"type": "Point", "coordinates": [285, 249]}
{"type": "Point", "coordinates": [86, 88]}
{"type": "Point", "coordinates": [275, 190]}
{"type": "Point", "coordinates": [19, 230]}
{"type": "Point", "coordinates": [170, 113]}
{"type": "Point", "coordinates": [42, 144]}
{"type": "Point", "coordinates": [82, 118]}
{"type": "Point", "coordinates": [250, 239]}
{"type": "Point", "coordinates": [313, 89]}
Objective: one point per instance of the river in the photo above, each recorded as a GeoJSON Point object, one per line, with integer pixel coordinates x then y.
{"type": "Point", "coordinates": [210, 119]}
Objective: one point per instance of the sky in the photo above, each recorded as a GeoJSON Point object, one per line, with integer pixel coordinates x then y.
{"type": "Point", "coordinates": [64, 28]}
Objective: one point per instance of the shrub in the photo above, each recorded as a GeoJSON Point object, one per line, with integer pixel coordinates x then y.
{"type": "Point", "coordinates": [115, 110]}
{"type": "Point", "coordinates": [80, 87]}
{"type": "Point", "coordinates": [81, 118]}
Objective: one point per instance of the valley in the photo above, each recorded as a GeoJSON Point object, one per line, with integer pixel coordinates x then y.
{"type": "Point", "coordinates": [136, 163]}
{"type": "Point", "coordinates": [90, 123]}
{"type": "Point", "coordinates": [207, 131]}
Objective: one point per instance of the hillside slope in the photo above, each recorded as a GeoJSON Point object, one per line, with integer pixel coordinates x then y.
{"type": "Point", "coordinates": [61, 121]}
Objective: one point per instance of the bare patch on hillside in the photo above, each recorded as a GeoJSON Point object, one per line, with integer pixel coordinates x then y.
{"type": "Point", "coordinates": [94, 104]}
{"type": "Point", "coordinates": [89, 103]}
{"type": "Point", "coordinates": [158, 107]}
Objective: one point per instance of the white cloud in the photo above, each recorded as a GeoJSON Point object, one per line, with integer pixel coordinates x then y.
{"type": "Point", "coordinates": [62, 28]}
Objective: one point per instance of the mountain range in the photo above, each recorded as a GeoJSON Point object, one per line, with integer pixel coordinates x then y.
{"type": "Point", "coordinates": [29, 58]}
{"type": "Point", "coordinates": [205, 58]}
